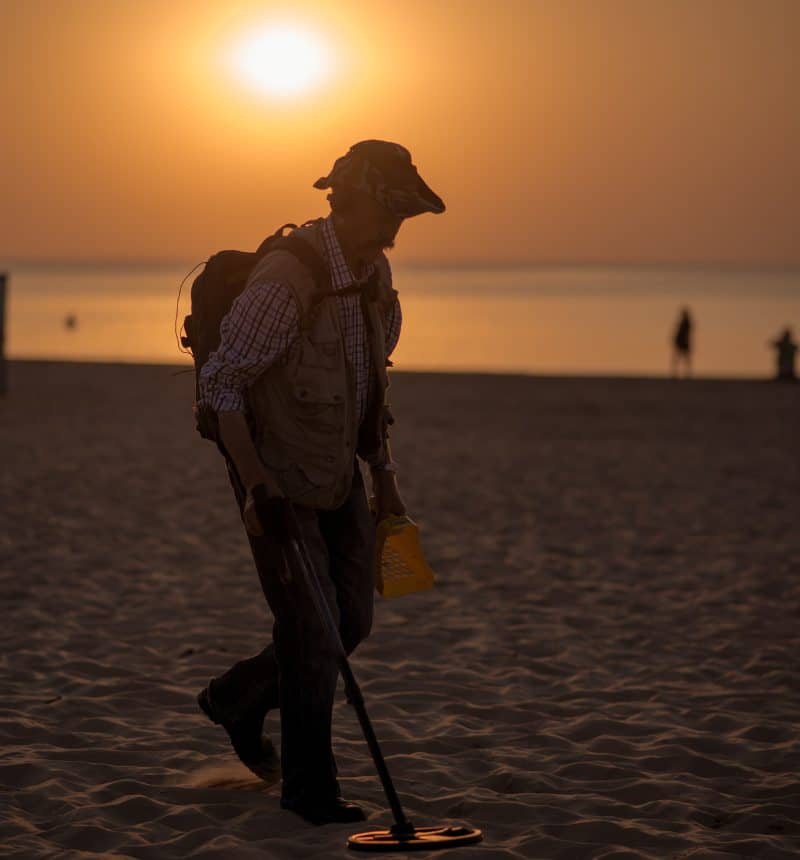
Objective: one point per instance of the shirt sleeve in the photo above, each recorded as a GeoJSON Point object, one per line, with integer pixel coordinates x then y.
{"type": "Point", "coordinates": [255, 333]}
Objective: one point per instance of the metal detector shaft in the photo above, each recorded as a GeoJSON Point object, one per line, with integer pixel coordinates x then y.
{"type": "Point", "coordinates": [299, 551]}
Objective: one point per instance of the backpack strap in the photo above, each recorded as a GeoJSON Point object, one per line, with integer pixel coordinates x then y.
{"type": "Point", "coordinates": [305, 253]}
{"type": "Point", "coordinates": [308, 256]}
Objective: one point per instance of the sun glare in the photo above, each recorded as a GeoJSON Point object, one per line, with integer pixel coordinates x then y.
{"type": "Point", "coordinates": [281, 60]}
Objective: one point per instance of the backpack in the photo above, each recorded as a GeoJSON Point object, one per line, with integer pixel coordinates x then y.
{"type": "Point", "coordinates": [223, 278]}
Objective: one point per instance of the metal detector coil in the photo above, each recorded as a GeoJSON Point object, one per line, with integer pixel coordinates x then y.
{"type": "Point", "coordinates": [418, 839]}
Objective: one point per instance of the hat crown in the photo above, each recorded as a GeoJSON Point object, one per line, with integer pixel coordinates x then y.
{"type": "Point", "coordinates": [384, 170]}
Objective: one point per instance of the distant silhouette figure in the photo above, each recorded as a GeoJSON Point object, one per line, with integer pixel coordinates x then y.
{"type": "Point", "coordinates": [70, 322]}
{"type": "Point", "coordinates": [786, 350]}
{"type": "Point", "coordinates": [682, 344]}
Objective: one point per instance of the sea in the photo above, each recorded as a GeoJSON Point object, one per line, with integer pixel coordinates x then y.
{"type": "Point", "coordinates": [550, 320]}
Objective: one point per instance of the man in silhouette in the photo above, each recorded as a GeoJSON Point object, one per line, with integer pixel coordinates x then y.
{"type": "Point", "coordinates": [785, 351]}
{"type": "Point", "coordinates": [682, 345]}
{"type": "Point", "coordinates": [298, 386]}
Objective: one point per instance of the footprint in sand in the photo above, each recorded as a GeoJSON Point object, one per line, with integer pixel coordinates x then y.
{"type": "Point", "coordinates": [230, 776]}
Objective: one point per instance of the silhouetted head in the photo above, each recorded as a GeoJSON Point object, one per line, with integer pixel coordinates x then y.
{"type": "Point", "coordinates": [374, 188]}
{"type": "Point", "coordinates": [364, 225]}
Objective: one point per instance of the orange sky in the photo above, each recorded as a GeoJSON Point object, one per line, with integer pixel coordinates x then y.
{"type": "Point", "coordinates": [565, 130]}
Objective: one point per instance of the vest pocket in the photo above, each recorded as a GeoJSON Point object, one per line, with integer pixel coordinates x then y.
{"type": "Point", "coordinates": [314, 390]}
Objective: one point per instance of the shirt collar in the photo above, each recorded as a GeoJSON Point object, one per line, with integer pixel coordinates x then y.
{"type": "Point", "coordinates": [341, 276]}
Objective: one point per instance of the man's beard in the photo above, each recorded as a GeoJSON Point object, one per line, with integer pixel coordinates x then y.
{"type": "Point", "coordinates": [374, 248]}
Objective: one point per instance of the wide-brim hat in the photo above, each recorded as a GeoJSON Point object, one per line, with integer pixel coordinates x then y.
{"type": "Point", "coordinates": [384, 171]}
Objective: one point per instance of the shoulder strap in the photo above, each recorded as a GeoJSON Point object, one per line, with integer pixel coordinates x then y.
{"type": "Point", "coordinates": [309, 257]}
{"type": "Point", "coordinates": [301, 250]}
{"type": "Point", "coordinates": [305, 254]}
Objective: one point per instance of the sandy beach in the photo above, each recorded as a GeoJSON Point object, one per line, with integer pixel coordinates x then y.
{"type": "Point", "coordinates": [607, 668]}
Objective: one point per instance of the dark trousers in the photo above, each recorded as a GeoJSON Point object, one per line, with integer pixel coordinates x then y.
{"type": "Point", "coordinates": [297, 672]}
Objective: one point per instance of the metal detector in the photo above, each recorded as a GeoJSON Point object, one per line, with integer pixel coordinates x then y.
{"type": "Point", "coordinates": [403, 835]}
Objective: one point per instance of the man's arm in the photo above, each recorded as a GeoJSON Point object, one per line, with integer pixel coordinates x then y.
{"type": "Point", "coordinates": [235, 437]}
{"type": "Point", "coordinates": [256, 332]}
{"type": "Point", "coordinates": [238, 444]}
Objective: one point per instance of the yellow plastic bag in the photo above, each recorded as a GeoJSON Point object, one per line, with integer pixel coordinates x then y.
{"type": "Point", "coordinates": [400, 566]}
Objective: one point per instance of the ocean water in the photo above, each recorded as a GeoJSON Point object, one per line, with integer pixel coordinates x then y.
{"type": "Point", "coordinates": [550, 320]}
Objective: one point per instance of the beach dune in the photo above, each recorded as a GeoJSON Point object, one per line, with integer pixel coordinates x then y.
{"type": "Point", "coordinates": [606, 668]}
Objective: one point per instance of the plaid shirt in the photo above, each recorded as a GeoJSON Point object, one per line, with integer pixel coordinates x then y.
{"type": "Point", "coordinates": [263, 323]}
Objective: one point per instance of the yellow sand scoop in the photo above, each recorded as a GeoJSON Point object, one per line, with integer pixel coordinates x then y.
{"type": "Point", "coordinates": [400, 566]}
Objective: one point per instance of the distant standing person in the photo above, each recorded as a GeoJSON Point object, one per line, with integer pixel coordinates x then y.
{"type": "Point", "coordinates": [682, 344]}
{"type": "Point", "coordinates": [785, 351]}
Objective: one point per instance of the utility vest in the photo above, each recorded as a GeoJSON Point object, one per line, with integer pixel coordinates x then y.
{"type": "Point", "coordinates": [303, 410]}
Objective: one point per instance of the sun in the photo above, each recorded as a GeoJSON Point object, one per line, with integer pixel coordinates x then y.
{"type": "Point", "coordinates": [281, 60]}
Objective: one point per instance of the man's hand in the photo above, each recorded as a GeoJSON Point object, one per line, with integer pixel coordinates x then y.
{"type": "Point", "coordinates": [250, 516]}
{"type": "Point", "coordinates": [388, 501]}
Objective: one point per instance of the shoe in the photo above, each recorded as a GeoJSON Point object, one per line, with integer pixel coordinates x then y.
{"type": "Point", "coordinates": [333, 810]}
{"type": "Point", "coordinates": [254, 749]}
